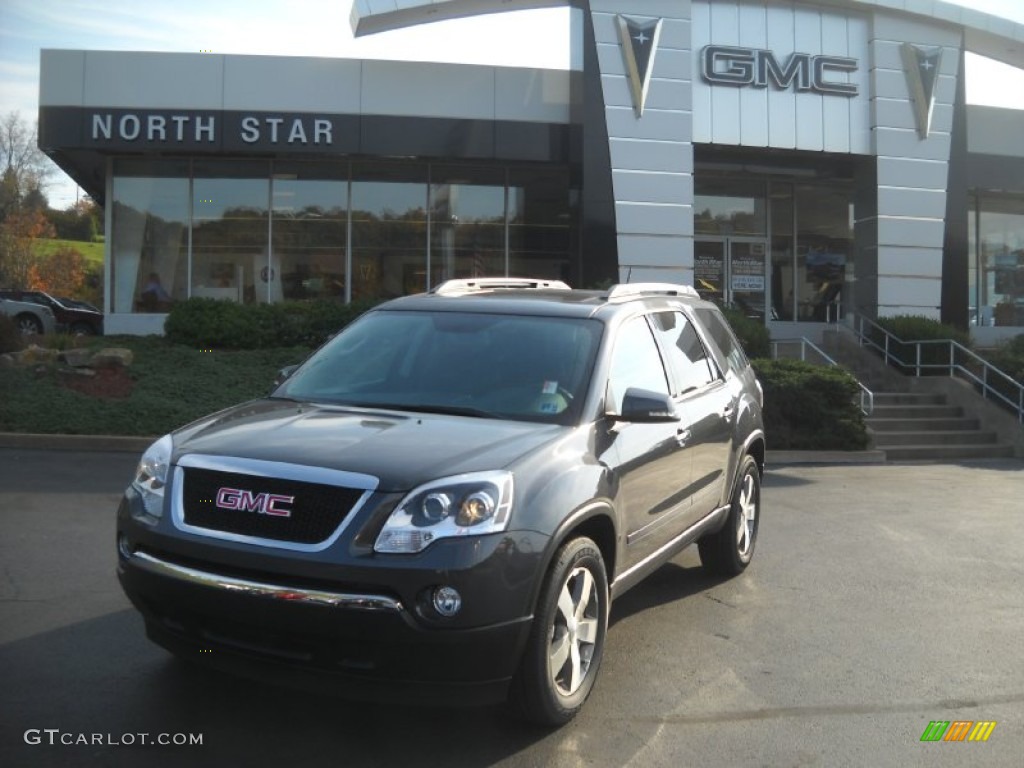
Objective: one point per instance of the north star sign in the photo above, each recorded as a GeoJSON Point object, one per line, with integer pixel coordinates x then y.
{"type": "Point", "coordinates": [756, 68]}
{"type": "Point", "coordinates": [195, 128]}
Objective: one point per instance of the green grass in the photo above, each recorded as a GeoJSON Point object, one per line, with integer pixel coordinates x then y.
{"type": "Point", "coordinates": [93, 252]}
{"type": "Point", "coordinates": [174, 385]}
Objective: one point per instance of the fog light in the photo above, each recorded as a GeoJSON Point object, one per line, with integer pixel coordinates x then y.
{"type": "Point", "coordinates": [124, 546]}
{"type": "Point", "coordinates": [447, 601]}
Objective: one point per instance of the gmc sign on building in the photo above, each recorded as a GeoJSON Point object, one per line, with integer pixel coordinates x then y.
{"type": "Point", "coordinates": [741, 67]}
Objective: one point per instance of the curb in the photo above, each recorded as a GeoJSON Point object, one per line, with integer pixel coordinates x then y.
{"type": "Point", "coordinates": [132, 444]}
{"type": "Point", "coordinates": [781, 458]}
{"type": "Point", "coordinates": [109, 443]}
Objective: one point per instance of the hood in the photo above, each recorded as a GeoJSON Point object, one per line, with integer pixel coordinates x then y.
{"type": "Point", "coordinates": [402, 449]}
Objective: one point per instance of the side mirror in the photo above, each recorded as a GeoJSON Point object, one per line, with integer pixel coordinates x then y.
{"type": "Point", "coordinates": [642, 406]}
{"type": "Point", "coordinates": [283, 375]}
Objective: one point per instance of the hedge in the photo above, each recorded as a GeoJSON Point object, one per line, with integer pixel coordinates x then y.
{"type": "Point", "coordinates": [911, 328]}
{"type": "Point", "coordinates": [219, 324]}
{"type": "Point", "coordinates": [810, 407]}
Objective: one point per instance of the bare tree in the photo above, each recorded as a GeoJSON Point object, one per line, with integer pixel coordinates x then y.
{"type": "Point", "coordinates": [20, 157]}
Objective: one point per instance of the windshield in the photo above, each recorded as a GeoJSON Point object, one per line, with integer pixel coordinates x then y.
{"type": "Point", "coordinates": [496, 366]}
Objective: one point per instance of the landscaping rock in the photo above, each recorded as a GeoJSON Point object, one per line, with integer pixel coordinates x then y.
{"type": "Point", "coordinates": [76, 358]}
{"type": "Point", "coordinates": [35, 354]}
{"type": "Point", "coordinates": [112, 357]}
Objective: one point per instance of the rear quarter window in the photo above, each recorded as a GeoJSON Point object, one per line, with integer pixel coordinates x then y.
{"type": "Point", "coordinates": [723, 338]}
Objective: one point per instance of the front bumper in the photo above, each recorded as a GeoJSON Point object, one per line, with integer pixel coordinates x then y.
{"type": "Point", "coordinates": [363, 633]}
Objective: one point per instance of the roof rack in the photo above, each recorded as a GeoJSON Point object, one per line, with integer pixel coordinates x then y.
{"type": "Point", "coordinates": [630, 290]}
{"type": "Point", "coordinates": [474, 284]}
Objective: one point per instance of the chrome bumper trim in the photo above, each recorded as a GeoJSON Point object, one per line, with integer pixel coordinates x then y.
{"type": "Point", "coordinates": [155, 565]}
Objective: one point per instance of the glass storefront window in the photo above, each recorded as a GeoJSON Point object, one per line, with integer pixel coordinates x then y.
{"type": "Point", "coordinates": [467, 222]}
{"type": "Point", "coordinates": [729, 207]}
{"type": "Point", "coordinates": [309, 228]}
{"type": "Point", "coordinates": [824, 246]}
{"type": "Point", "coordinates": [997, 247]}
{"type": "Point", "coordinates": [262, 231]}
{"type": "Point", "coordinates": [539, 221]}
{"type": "Point", "coordinates": [783, 265]}
{"type": "Point", "coordinates": [149, 241]}
{"type": "Point", "coordinates": [389, 230]}
{"type": "Point", "coordinates": [230, 233]}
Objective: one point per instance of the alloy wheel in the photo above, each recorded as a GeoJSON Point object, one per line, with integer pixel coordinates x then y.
{"type": "Point", "coordinates": [574, 631]}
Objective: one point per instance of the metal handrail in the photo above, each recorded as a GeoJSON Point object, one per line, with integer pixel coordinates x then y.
{"type": "Point", "coordinates": [954, 368]}
{"type": "Point", "coordinates": [867, 397]}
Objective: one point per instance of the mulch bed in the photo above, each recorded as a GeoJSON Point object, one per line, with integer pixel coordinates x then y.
{"type": "Point", "coordinates": [107, 383]}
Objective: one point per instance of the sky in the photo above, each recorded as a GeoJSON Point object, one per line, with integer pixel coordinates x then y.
{"type": "Point", "coordinates": [536, 38]}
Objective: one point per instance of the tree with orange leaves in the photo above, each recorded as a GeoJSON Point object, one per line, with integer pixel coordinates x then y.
{"type": "Point", "coordinates": [17, 231]}
{"type": "Point", "coordinates": [62, 273]}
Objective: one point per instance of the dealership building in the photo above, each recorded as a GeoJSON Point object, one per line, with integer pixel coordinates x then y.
{"type": "Point", "coordinates": [805, 161]}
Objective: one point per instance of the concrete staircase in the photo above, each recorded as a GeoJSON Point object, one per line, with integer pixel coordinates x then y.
{"type": "Point", "coordinates": [921, 426]}
{"type": "Point", "coordinates": [930, 418]}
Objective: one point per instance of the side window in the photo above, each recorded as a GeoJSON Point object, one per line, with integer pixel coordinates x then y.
{"type": "Point", "coordinates": [723, 337]}
{"type": "Point", "coordinates": [635, 363]}
{"type": "Point", "coordinates": [687, 358]}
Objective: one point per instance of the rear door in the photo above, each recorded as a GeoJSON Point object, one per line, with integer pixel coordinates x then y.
{"type": "Point", "coordinates": [705, 402]}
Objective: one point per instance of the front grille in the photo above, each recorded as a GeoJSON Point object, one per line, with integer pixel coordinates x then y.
{"type": "Point", "coordinates": [315, 512]}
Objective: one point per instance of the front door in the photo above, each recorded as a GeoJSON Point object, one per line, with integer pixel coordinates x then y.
{"type": "Point", "coordinates": [731, 272]}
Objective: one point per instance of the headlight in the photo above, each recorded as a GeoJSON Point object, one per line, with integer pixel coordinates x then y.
{"type": "Point", "coordinates": [464, 505]}
{"type": "Point", "coordinates": [151, 475]}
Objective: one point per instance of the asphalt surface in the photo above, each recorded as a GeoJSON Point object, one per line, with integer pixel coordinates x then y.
{"type": "Point", "coordinates": [881, 597]}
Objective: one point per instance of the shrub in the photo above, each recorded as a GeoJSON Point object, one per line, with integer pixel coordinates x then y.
{"type": "Point", "coordinates": [10, 336]}
{"type": "Point", "coordinates": [911, 328]}
{"type": "Point", "coordinates": [1009, 358]}
{"type": "Point", "coordinates": [216, 324]}
{"type": "Point", "coordinates": [753, 335]}
{"type": "Point", "coordinates": [810, 407]}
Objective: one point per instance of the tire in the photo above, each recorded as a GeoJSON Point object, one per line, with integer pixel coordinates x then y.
{"type": "Point", "coordinates": [83, 329]}
{"type": "Point", "coordinates": [566, 644]}
{"type": "Point", "coordinates": [728, 552]}
{"type": "Point", "coordinates": [29, 325]}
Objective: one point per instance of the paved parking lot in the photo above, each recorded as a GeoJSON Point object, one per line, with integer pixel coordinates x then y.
{"type": "Point", "coordinates": [881, 598]}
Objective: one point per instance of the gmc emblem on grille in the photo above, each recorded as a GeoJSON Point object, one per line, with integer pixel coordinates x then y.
{"type": "Point", "coordinates": [263, 503]}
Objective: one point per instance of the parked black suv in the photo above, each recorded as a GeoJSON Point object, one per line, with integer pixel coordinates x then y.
{"type": "Point", "coordinates": [72, 316]}
{"type": "Point", "coordinates": [445, 497]}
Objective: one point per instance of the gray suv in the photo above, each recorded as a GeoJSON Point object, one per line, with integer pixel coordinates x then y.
{"type": "Point", "coordinates": [443, 500]}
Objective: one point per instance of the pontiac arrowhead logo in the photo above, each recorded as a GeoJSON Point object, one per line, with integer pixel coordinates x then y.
{"type": "Point", "coordinates": [639, 42]}
{"type": "Point", "coordinates": [921, 66]}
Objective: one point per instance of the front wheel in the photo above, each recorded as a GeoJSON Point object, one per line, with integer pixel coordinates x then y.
{"type": "Point", "coordinates": [728, 552]}
{"type": "Point", "coordinates": [29, 325]}
{"type": "Point", "coordinates": [566, 644]}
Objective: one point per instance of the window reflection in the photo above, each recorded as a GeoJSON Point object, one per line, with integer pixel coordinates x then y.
{"type": "Point", "coordinates": [467, 217]}
{"type": "Point", "coordinates": [784, 278]}
{"type": "Point", "coordinates": [389, 230]}
{"type": "Point", "coordinates": [150, 235]}
{"type": "Point", "coordinates": [310, 228]}
{"type": "Point", "coordinates": [729, 207]}
{"type": "Point", "coordinates": [538, 223]}
{"type": "Point", "coordinates": [230, 248]}
{"type": "Point", "coordinates": [997, 263]}
{"type": "Point", "coordinates": [824, 246]}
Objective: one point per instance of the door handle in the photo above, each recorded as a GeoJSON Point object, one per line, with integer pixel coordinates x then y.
{"type": "Point", "coordinates": [683, 436]}
{"type": "Point", "coordinates": [727, 412]}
